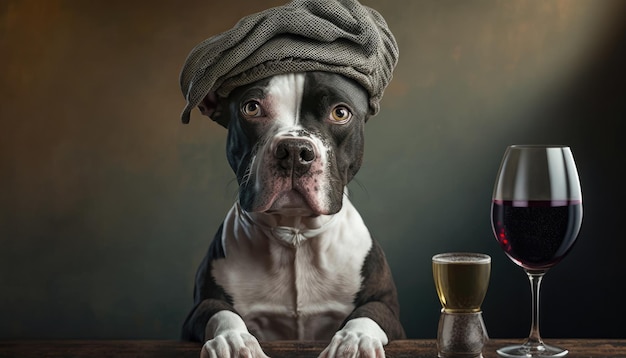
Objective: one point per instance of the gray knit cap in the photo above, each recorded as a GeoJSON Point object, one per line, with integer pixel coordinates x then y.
{"type": "Point", "coordinates": [340, 36]}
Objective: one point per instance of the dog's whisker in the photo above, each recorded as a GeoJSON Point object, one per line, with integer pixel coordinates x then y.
{"type": "Point", "coordinates": [232, 183]}
{"type": "Point", "coordinates": [245, 179]}
{"type": "Point", "coordinates": [361, 186]}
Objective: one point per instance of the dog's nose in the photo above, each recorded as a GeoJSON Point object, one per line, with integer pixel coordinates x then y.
{"type": "Point", "coordinates": [295, 153]}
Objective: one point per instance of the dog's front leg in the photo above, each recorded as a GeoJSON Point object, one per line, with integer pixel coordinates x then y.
{"type": "Point", "coordinates": [360, 337]}
{"type": "Point", "coordinates": [228, 337]}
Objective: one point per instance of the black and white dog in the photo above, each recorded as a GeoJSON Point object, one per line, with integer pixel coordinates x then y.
{"type": "Point", "coordinates": [293, 259]}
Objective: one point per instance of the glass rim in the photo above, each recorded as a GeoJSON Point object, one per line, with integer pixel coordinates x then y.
{"type": "Point", "coordinates": [537, 146]}
{"type": "Point", "coordinates": [461, 258]}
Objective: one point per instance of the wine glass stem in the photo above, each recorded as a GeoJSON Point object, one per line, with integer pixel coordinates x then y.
{"type": "Point", "coordinates": [534, 338]}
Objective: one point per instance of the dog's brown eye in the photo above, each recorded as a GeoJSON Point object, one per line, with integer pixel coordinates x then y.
{"type": "Point", "coordinates": [252, 109]}
{"type": "Point", "coordinates": [340, 114]}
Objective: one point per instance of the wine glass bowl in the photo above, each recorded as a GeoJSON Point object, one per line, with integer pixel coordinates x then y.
{"type": "Point", "coordinates": [536, 216]}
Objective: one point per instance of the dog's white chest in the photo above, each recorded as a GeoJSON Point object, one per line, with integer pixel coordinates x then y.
{"type": "Point", "coordinates": [301, 290]}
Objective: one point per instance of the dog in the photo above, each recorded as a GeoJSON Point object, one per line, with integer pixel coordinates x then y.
{"type": "Point", "coordinates": [293, 259]}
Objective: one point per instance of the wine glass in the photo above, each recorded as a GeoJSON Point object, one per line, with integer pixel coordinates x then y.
{"type": "Point", "coordinates": [536, 216]}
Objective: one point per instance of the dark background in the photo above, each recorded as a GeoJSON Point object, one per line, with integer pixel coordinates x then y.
{"type": "Point", "coordinates": [108, 202]}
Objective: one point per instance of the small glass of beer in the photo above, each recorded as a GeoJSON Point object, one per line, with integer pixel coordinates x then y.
{"type": "Point", "coordinates": [461, 280]}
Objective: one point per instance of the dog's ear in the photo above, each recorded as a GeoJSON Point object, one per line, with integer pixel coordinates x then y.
{"type": "Point", "coordinates": [211, 107]}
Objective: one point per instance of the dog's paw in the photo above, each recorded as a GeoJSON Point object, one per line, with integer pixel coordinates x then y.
{"type": "Point", "coordinates": [353, 345]}
{"type": "Point", "coordinates": [228, 337]}
{"type": "Point", "coordinates": [233, 344]}
{"type": "Point", "coordinates": [360, 338]}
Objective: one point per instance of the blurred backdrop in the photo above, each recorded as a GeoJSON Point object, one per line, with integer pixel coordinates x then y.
{"type": "Point", "coordinates": [108, 202]}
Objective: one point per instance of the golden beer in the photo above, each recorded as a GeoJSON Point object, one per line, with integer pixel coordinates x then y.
{"type": "Point", "coordinates": [461, 280]}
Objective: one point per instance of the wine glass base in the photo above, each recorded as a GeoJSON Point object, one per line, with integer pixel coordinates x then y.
{"type": "Point", "coordinates": [531, 350]}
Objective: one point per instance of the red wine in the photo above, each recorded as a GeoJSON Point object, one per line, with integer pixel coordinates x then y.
{"type": "Point", "coordinates": [536, 234]}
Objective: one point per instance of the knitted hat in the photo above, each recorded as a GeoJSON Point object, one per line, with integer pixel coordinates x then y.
{"type": "Point", "coordinates": [339, 36]}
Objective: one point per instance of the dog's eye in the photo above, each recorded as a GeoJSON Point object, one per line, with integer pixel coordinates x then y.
{"type": "Point", "coordinates": [340, 114]}
{"type": "Point", "coordinates": [252, 109]}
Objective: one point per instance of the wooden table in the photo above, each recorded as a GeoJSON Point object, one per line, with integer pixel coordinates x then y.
{"type": "Point", "coordinates": [158, 349]}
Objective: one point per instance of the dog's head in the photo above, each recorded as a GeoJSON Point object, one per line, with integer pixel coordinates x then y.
{"type": "Point", "coordinates": [294, 85]}
{"type": "Point", "coordinates": [294, 140]}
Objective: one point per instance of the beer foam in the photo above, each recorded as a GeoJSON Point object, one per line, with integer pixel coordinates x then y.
{"type": "Point", "coordinates": [462, 257]}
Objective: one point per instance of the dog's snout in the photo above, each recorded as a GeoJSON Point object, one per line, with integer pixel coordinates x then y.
{"type": "Point", "coordinates": [295, 153]}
